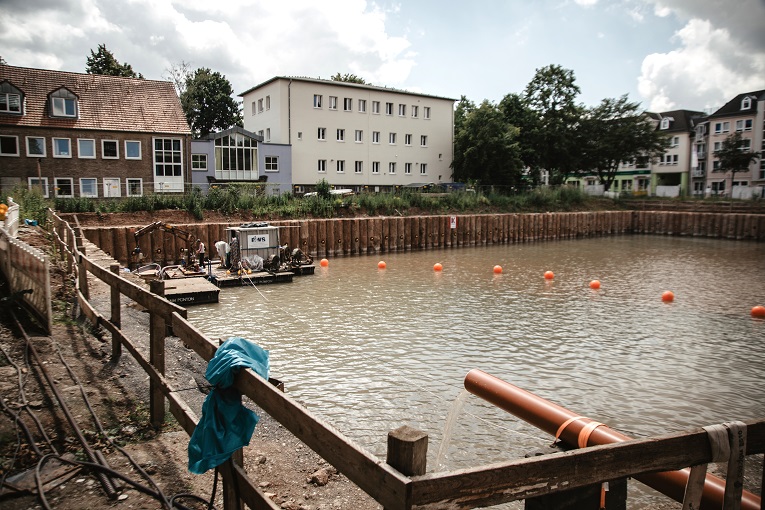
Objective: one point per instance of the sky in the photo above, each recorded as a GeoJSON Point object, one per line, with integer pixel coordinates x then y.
{"type": "Point", "coordinates": [663, 54]}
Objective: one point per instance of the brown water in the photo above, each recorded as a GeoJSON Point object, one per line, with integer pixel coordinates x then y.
{"type": "Point", "coordinates": [370, 350]}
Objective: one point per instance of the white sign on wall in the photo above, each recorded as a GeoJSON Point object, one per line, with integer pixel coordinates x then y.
{"type": "Point", "coordinates": [258, 241]}
{"type": "Point", "coordinates": [454, 222]}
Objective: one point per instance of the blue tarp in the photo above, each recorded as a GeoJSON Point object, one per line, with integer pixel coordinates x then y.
{"type": "Point", "coordinates": [226, 425]}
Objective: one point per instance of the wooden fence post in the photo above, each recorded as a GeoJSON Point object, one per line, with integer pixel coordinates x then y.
{"type": "Point", "coordinates": [115, 318]}
{"type": "Point", "coordinates": [82, 273]}
{"type": "Point", "coordinates": [157, 331]}
{"type": "Point", "coordinates": [408, 450]}
{"type": "Point", "coordinates": [231, 499]}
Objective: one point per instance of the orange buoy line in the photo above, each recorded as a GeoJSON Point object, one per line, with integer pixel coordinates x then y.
{"type": "Point", "coordinates": [549, 275]}
{"type": "Point", "coordinates": [381, 265]}
{"type": "Point", "coordinates": [324, 262]}
{"type": "Point", "coordinates": [595, 284]}
{"type": "Point", "coordinates": [758, 311]}
{"type": "Point", "coordinates": [438, 267]}
{"type": "Point", "coordinates": [497, 269]}
{"type": "Point", "coordinates": [572, 428]}
{"type": "Point", "coordinates": [668, 296]}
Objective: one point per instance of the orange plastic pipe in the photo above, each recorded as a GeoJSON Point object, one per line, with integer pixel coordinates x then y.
{"type": "Point", "coordinates": [549, 417]}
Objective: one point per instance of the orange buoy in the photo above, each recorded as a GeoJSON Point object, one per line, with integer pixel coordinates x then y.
{"type": "Point", "coordinates": [549, 275]}
{"type": "Point", "coordinates": [324, 262]}
{"type": "Point", "coordinates": [668, 296]}
{"type": "Point", "coordinates": [381, 264]}
{"type": "Point", "coordinates": [437, 266]}
{"type": "Point", "coordinates": [595, 284]}
{"type": "Point", "coordinates": [758, 311]}
{"type": "Point", "coordinates": [497, 269]}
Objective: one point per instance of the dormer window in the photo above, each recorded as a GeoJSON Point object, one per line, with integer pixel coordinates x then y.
{"type": "Point", "coordinates": [665, 122]}
{"type": "Point", "coordinates": [63, 103]}
{"type": "Point", "coordinates": [11, 98]}
{"type": "Point", "coordinates": [746, 103]}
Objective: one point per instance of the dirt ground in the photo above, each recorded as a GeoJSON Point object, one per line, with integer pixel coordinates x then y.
{"type": "Point", "coordinates": [282, 466]}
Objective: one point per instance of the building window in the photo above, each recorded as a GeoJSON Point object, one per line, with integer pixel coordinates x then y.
{"type": "Point", "coordinates": [89, 187]}
{"type": "Point", "coordinates": [272, 164]}
{"type": "Point", "coordinates": [321, 134]}
{"type": "Point", "coordinates": [322, 167]}
{"type": "Point", "coordinates": [317, 100]}
{"type": "Point", "coordinates": [168, 157]}
{"type": "Point", "coordinates": [86, 148]}
{"type": "Point", "coordinates": [358, 167]}
{"type": "Point", "coordinates": [716, 166]}
{"type": "Point", "coordinates": [375, 106]}
{"type": "Point", "coordinates": [347, 104]}
{"type": "Point", "coordinates": [9, 145]}
{"type": "Point", "coordinates": [359, 136]}
{"type": "Point", "coordinates": [407, 168]}
{"type": "Point", "coordinates": [64, 187]}
{"type": "Point", "coordinates": [254, 109]}
{"type": "Point", "coordinates": [268, 102]}
{"type": "Point", "coordinates": [722, 127]}
{"type": "Point", "coordinates": [236, 157]}
{"type": "Point", "coordinates": [426, 112]}
{"type": "Point", "coordinates": [375, 137]}
{"type": "Point", "coordinates": [746, 103]}
{"type": "Point", "coordinates": [10, 98]}
{"type": "Point", "coordinates": [423, 141]}
{"type": "Point", "coordinates": [268, 134]}
{"type": "Point", "coordinates": [402, 110]}
{"type": "Point", "coordinates": [109, 149]}
{"type": "Point", "coordinates": [664, 123]}
{"type": "Point", "coordinates": [388, 108]}
{"type": "Point", "coordinates": [746, 145]}
{"type": "Point", "coordinates": [423, 168]}
{"type": "Point", "coordinates": [362, 106]}
{"type": "Point", "coordinates": [375, 167]}
{"type": "Point", "coordinates": [62, 148]}
{"type": "Point", "coordinates": [260, 105]}
{"type": "Point", "coordinates": [199, 162]}
{"type": "Point", "coordinates": [407, 139]}
{"type": "Point", "coordinates": [340, 166]}
{"type": "Point", "coordinates": [134, 187]}
{"type": "Point", "coordinates": [391, 168]}
{"type": "Point", "coordinates": [415, 111]}
{"type": "Point", "coordinates": [132, 149]}
{"type": "Point", "coordinates": [300, 135]}
{"type": "Point", "coordinates": [36, 146]}
{"type": "Point", "coordinates": [744, 125]}
{"type": "Point", "coordinates": [41, 184]}
{"type": "Point", "coordinates": [341, 135]}
{"type": "Point", "coordinates": [392, 138]}
{"type": "Point", "coordinates": [260, 133]}
{"type": "Point", "coordinates": [332, 102]}
{"type": "Point", "coordinates": [674, 141]}
{"type": "Point", "coordinates": [717, 146]}
{"type": "Point", "coordinates": [63, 103]}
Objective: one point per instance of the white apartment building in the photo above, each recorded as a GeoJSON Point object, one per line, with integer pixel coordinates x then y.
{"type": "Point", "coordinates": [355, 136]}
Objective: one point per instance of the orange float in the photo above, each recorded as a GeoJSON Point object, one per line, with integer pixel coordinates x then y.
{"type": "Point", "coordinates": [497, 269]}
{"type": "Point", "coordinates": [758, 311]}
{"type": "Point", "coordinates": [381, 264]}
{"type": "Point", "coordinates": [549, 275]}
{"type": "Point", "coordinates": [595, 284]}
{"type": "Point", "coordinates": [438, 267]}
{"type": "Point", "coordinates": [668, 296]}
{"type": "Point", "coordinates": [324, 262]}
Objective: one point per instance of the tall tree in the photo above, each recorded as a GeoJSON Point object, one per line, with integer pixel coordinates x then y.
{"type": "Point", "coordinates": [735, 157]}
{"type": "Point", "coordinates": [104, 62]}
{"type": "Point", "coordinates": [485, 149]}
{"type": "Point", "coordinates": [179, 73]}
{"type": "Point", "coordinates": [517, 113]}
{"type": "Point", "coordinates": [551, 95]}
{"type": "Point", "coordinates": [208, 102]}
{"type": "Point", "coordinates": [615, 132]}
{"type": "Point", "coordinates": [350, 78]}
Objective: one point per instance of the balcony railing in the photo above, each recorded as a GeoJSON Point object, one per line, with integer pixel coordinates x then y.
{"type": "Point", "coordinates": [697, 172]}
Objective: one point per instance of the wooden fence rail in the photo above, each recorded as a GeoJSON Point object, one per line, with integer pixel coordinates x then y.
{"type": "Point", "coordinates": [460, 489]}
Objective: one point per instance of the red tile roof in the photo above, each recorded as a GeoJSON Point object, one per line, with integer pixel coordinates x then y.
{"type": "Point", "coordinates": [106, 103]}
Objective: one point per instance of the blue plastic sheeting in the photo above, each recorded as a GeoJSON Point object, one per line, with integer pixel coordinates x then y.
{"type": "Point", "coordinates": [226, 425]}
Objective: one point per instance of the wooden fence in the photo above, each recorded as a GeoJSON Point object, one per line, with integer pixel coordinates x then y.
{"type": "Point", "coordinates": [400, 482]}
{"type": "Point", "coordinates": [358, 236]}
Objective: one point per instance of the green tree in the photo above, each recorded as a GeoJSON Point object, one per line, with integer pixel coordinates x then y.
{"type": "Point", "coordinates": [350, 78]}
{"type": "Point", "coordinates": [208, 102]}
{"type": "Point", "coordinates": [734, 157]}
{"type": "Point", "coordinates": [104, 62]}
{"type": "Point", "coordinates": [485, 149]}
{"type": "Point", "coordinates": [615, 132]}
{"type": "Point", "coordinates": [179, 74]}
{"type": "Point", "coordinates": [555, 138]}
{"type": "Point", "coordinates": [464, 108]}
{"type": "Point", "coordinates": [517, 113]}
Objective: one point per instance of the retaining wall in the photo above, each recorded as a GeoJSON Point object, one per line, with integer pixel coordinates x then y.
{"type": "Point", "coordinates": [361, 236]}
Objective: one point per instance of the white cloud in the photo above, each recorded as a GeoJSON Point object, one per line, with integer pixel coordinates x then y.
{"type": "Point", "coordinates": [707, 69]}
{"type": "Point", "coordinates": [586, 3]}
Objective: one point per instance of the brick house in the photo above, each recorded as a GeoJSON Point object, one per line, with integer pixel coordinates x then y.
{"type": "Point", "coordinates": [86, 135]}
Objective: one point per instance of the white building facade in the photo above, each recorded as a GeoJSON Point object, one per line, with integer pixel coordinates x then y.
{"type": "Point", "coordinates": [355, 136]}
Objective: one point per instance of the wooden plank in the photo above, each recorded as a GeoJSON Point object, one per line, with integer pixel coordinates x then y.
{"type": "Point", "coordinates": [536, 476]}
{"type": "Point", "coordinates": [380, 481]}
